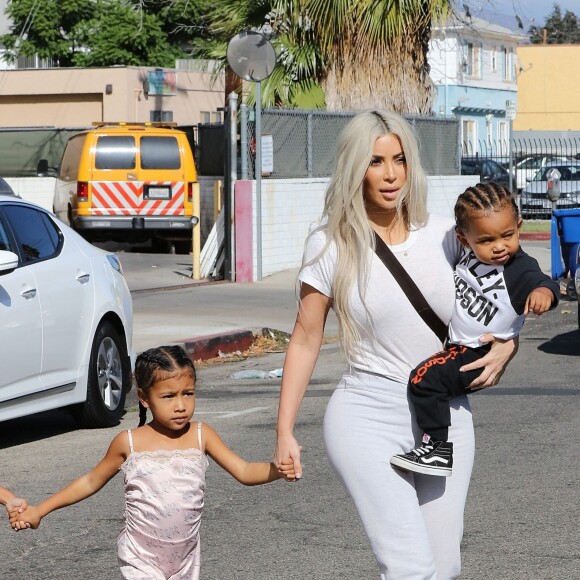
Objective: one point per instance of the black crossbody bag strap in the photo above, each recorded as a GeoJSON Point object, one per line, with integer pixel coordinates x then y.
{"type": "Point", "coordinates": [410, 289]}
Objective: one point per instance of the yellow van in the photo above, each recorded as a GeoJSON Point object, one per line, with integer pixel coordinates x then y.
{"type": "Point", "coordinates": [129, 182]}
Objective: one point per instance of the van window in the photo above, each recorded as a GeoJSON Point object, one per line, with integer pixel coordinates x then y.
{"type": "Point", "coordinates": [160, 153]}
{"type": "Point", "coordinates": [115, 153]}
{"type": "Point", "coordinates": [69, 167]}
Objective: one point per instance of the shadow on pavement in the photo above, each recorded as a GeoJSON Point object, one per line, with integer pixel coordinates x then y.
{"type": "Point", "coordinates": [36, 427]}
{"type": "Point", "coordinates": [567, 344]}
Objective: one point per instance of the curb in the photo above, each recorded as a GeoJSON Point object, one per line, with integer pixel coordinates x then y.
{"type": "Point", "coordinates": [535, 236]}
{"type": "Point", "coordinates": [210, 346]}
{"type": "Point", "coordinates": [235, 341]}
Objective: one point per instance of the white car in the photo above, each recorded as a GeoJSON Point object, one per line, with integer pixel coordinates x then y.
{"type": "Point", "coordinates": [534, 197]}
{"type": "Point", "coordinates": [66, 320]}
{"type": "Point", "coordinates": [527, 168]}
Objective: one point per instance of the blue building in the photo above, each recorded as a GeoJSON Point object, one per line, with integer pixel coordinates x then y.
{"type": "Point", "coordinates": [473, 65]}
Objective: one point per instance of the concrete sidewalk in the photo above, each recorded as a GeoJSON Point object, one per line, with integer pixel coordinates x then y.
{"type": "Point", "coordinates": [207, 317]}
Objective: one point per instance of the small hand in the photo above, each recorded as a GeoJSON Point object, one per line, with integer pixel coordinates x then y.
{"type": "Point", "coordinates": [29, 518]}
{"type": "Point", "coordinates": [286, 469]}
{"type": "Point", "coordinates": [539, 301]}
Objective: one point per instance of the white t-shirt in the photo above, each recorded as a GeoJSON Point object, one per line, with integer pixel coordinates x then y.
{"type": "Point", "coordinates": [398, 339]}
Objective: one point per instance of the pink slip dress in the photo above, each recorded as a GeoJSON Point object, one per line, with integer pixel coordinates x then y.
{"type": "Point", "coordinates": [163, 505]}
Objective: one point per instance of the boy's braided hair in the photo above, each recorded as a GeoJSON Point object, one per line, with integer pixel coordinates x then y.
{"type": "Point", "coordinates": [483, 197]}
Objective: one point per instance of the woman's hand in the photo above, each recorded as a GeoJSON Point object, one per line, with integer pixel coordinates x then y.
{"type": "Point", "coordinates": [15, 507]}
{"type": "Point", "coordinates": [493, 363]}
{"type": "Point", "coordinates": [288, 450]}
{"type": "Point", "coordinates": [29, 518]}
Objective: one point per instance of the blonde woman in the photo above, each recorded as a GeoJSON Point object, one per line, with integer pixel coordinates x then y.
{"type": "Point", "coordinates": [414, 522]}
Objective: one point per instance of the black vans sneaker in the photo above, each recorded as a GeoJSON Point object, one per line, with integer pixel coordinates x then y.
{"type": "Point", "coordinates": [432, 458]}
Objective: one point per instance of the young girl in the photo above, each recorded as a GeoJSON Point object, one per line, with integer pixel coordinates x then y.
{"type": "Point", "coordinates": [163, 465]}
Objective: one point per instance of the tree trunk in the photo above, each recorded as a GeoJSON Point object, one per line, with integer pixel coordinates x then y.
{"type": "Point", "coordinates": [396, 79]}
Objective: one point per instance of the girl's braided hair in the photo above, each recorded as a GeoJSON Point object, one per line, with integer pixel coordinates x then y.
{"type": "Point", "coordinates": [483, 197]}
{"type": "Point", "coordinates": [157, 364]}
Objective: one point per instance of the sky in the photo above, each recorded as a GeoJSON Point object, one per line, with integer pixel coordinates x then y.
{"type": "Point", "coordinates": [531, 12]}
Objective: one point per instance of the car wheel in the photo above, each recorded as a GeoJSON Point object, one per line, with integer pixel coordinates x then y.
{"type": "Point", "coordinates": [109, 373]}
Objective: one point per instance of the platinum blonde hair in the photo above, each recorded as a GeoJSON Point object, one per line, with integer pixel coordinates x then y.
{"type": "Point", "coordinates": [345, 219]}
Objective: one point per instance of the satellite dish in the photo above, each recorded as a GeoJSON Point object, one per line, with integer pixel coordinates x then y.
{"type": "Point", "coordinates": [251, 56]}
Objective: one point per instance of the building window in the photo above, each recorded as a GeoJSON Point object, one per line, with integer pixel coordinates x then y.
{"type": "Point", "coordinates": [205, 117]}
{"type": "Point", "coordinates": [161, 116]}
{"type": "Point", "coordinates": [469, 137]}
{"type": "Point", "coordinates": [507, 64]}
{"type": "Point", "coordinates": [503, 137]}
{"type": "Point", "coordinates": [494, 59]}
{"type": "Point", "coordinates": [489, 132]}
{"type": "Point", "coordinates": [216, 117]}
{"type": "Point", "coordinates": [472, 60]}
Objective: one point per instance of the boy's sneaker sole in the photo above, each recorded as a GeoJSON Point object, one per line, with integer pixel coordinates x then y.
{"type": "Point", "coordinates": [407, 465]}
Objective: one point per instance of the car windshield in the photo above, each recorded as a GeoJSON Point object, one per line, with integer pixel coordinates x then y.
{"type": "Point", "coordinates": [567, 173]}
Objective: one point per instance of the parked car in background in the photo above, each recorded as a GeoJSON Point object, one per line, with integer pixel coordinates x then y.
{"type": "Point", "coordinates": [527, 167]}
{"type": "Point", "coordinates": [128, 182]}
{"type": "Point", "coordinates": [67, 319]}
{"type": "Point", "coordinates": [534, 197]}
{"type": "Point", "coordinates": [486, 169]}
{"type": "Point", "coordinates": [5, 188]}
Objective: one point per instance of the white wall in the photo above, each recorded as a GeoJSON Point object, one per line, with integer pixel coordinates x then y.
{"type": "Point", "coordinates": [39, 190]}
{"type": "Point", "coordinates": [290, 207]}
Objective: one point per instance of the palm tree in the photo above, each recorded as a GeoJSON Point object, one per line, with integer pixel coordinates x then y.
{"type": "Point", "coordinates": [342, 54]}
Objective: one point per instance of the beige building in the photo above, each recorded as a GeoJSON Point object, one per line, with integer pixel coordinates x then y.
{"type": "Point", "coordinates": [76, 97]}
{"type": "Point", "coordinates": [548, 88]}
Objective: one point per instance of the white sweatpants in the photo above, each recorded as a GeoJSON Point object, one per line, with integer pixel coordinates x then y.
{"type": "Point", "coordinates": [414, 522]}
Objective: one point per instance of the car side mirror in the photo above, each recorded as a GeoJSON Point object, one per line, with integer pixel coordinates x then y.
{"type": "Point", "coordinates": [8, 262]}
{"type": "Point", "coordinates": [42, 168]}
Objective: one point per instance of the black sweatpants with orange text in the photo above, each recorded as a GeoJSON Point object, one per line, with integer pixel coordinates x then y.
{"type": "Point", "coordinates": [437, 380]}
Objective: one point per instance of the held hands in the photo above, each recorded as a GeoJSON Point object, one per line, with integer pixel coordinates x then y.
{"type": "Point", "coordinates": [287, 458]}
{"type": "Point", "coordinates": [539, 301]}
{"type": "Point", "coordinates": [286, 470]}
{"type": "Point", "coordinates": [14, 507]}
{"type": "Point", "coordinates": [22, 519]}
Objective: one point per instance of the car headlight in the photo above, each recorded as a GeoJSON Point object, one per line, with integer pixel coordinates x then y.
{"type": "Point", "coordinates": [115, 263]}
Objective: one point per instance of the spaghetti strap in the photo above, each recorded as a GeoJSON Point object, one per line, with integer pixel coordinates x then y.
{"type": "Point", "coordinates": [199, 435]}
{"type": "Point", "coordinates": [130, 435]}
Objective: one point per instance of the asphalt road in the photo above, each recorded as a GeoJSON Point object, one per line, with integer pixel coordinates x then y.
{"type": "Point", "coordinates": [521, 518]}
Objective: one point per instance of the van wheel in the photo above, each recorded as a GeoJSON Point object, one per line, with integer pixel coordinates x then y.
{"type": "Point", "coordinates": [161, 245]}
{"type": "Point", "coordinates": [108, 376]}
{"type": "Point", "coordinates": [182, 246]}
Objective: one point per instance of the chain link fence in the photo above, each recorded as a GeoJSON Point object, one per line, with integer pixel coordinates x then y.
{"type": "Point", "coordinates": [304, 142]}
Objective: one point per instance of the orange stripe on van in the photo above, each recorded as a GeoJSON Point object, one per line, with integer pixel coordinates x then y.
{"type": "Point", "coordinates": [126, 198]}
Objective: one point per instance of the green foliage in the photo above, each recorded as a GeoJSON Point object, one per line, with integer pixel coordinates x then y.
{"type": "Point", "coordinates": [559, 29]}
{"type": "Point", "coordinates": [47, 28]}
{"type": "Point", "coordinates": [102, 32]}
{"type": "Point", "coordinates": [119, 35]}
{"type": "Point", "coordinates": [332, 50]}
